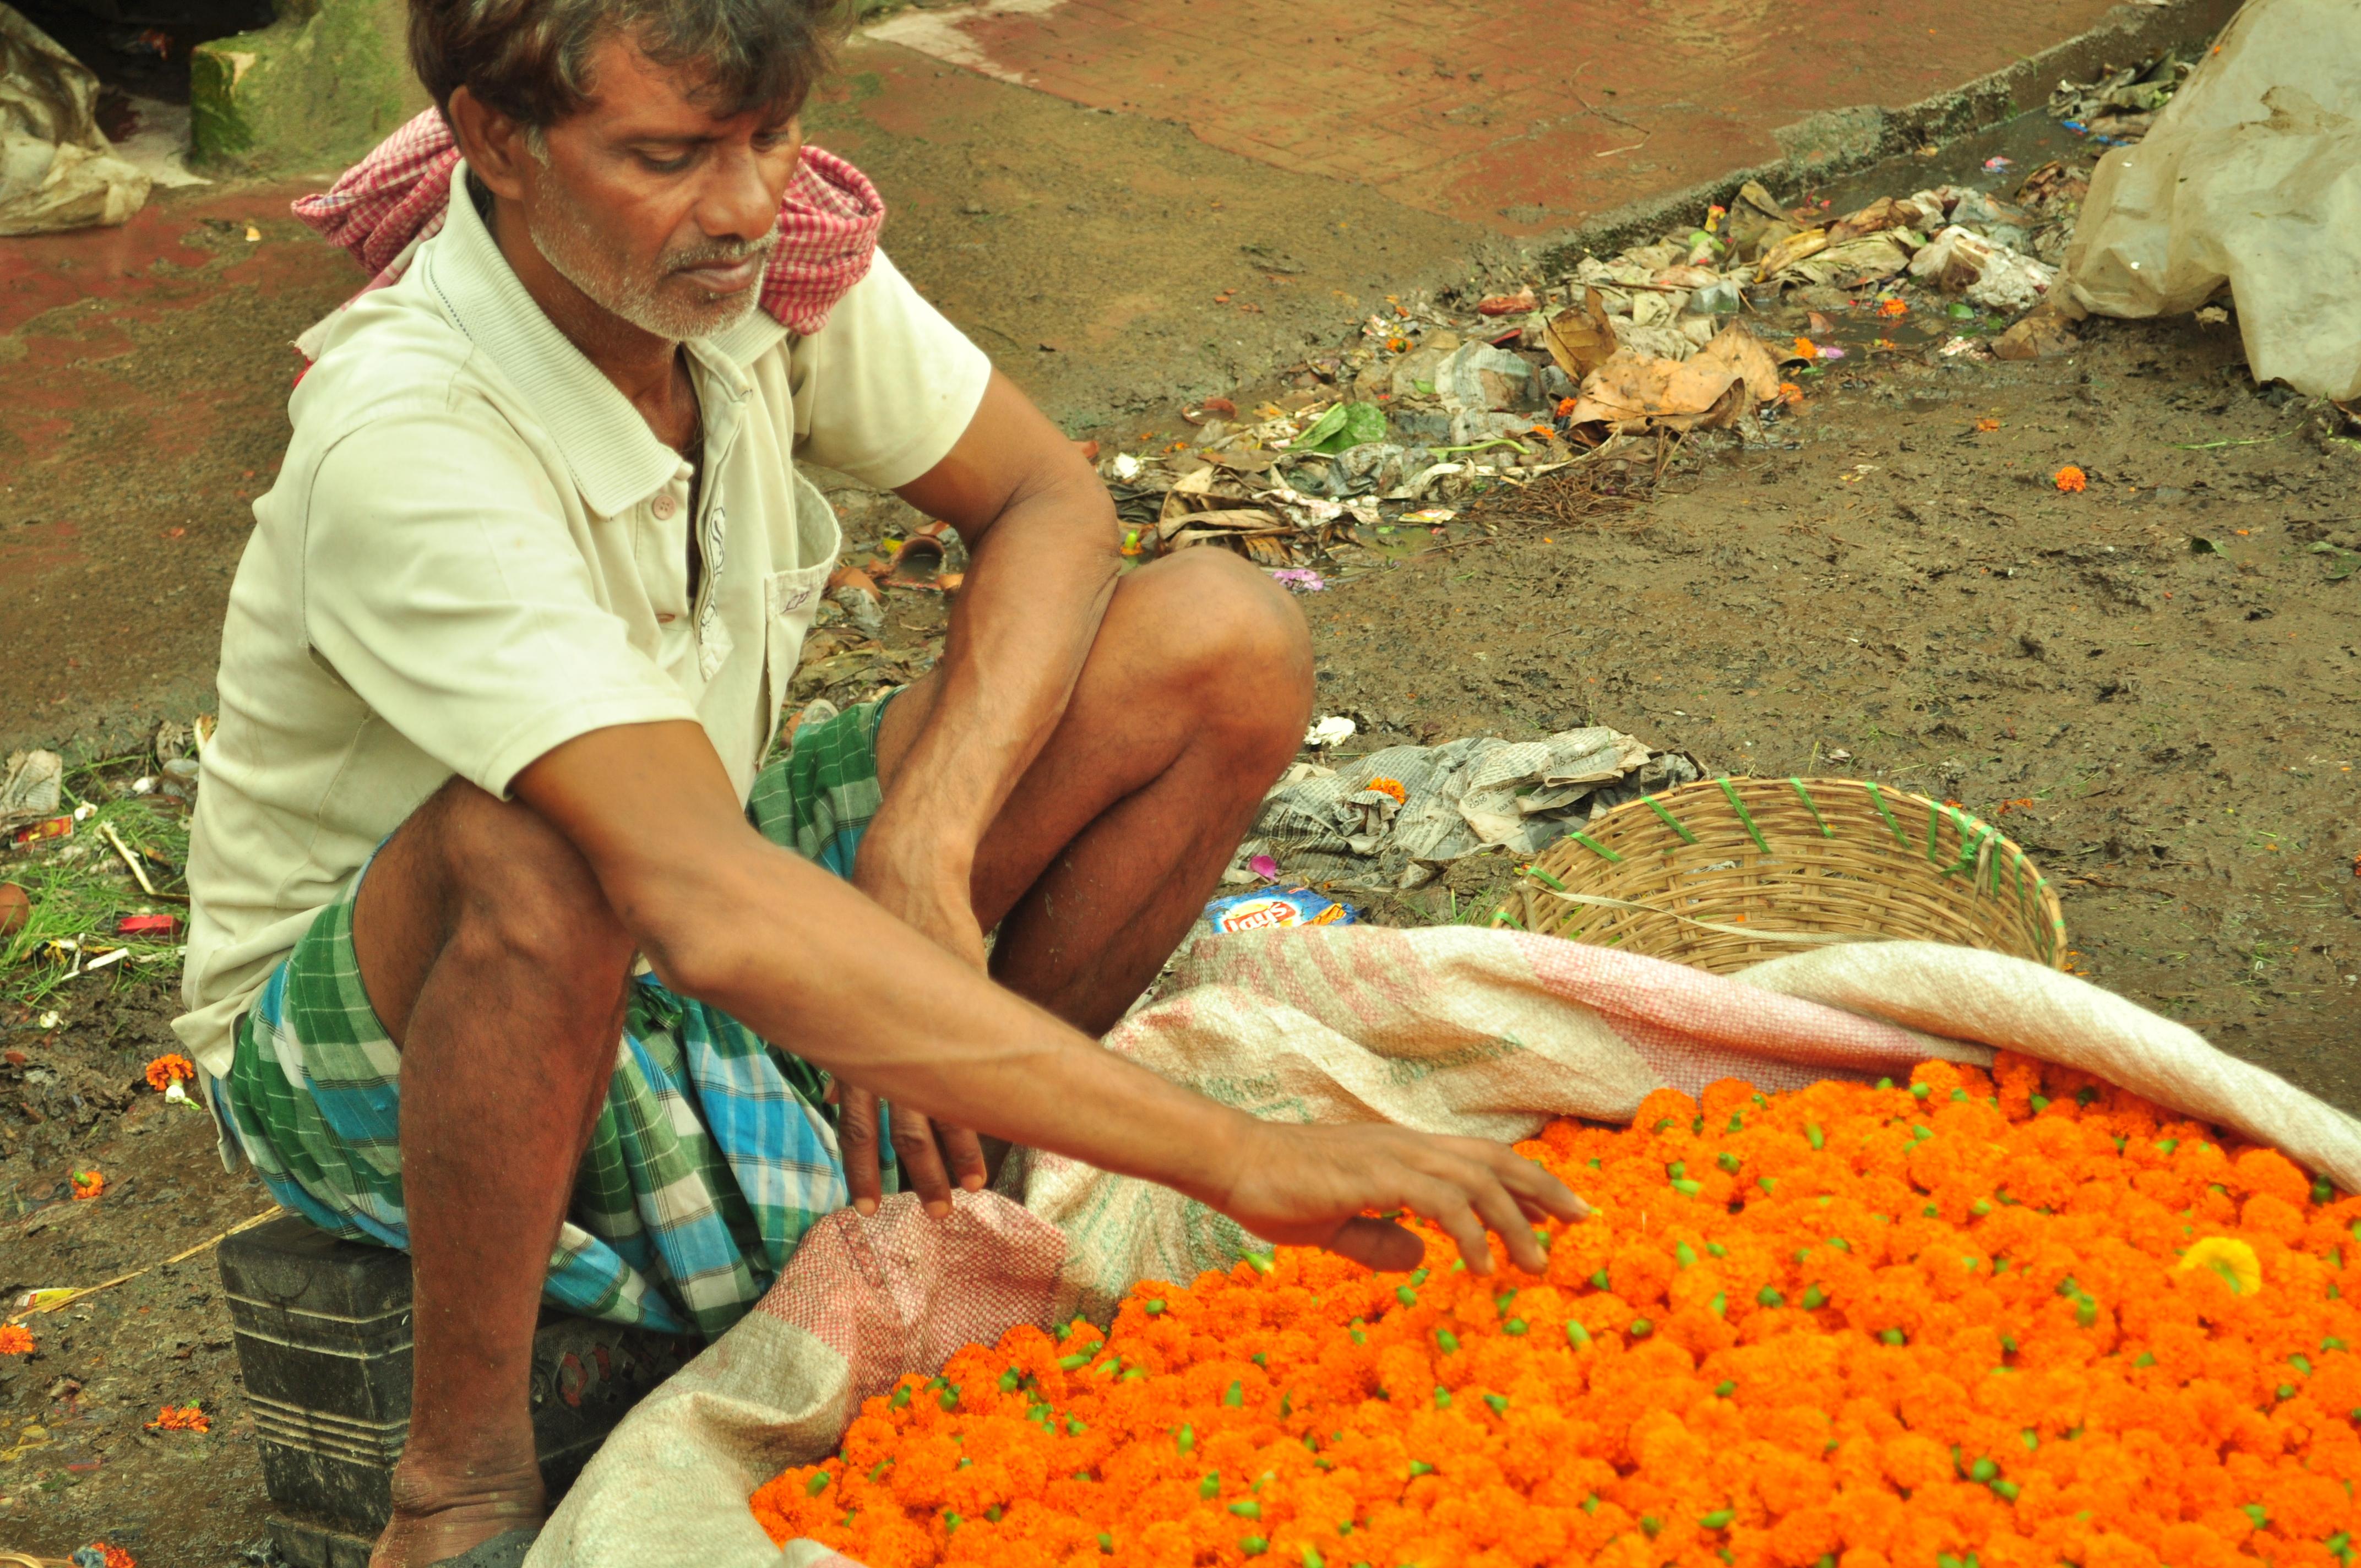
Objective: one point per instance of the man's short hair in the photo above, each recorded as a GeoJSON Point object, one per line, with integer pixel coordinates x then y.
{"type": "Point", "coordinates": [530, 59]}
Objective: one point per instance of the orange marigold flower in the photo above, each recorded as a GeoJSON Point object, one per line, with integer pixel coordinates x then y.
{"type": "Point", "coordinates": [1893, 307]}
{"type": "Point", "coordinates": [182, 1417]}
{"type": "Point", "coordinates": [89, 1183]}
{"type": "Point", "coordinates": [1389, 786]}
{"type": "Point", "coordinates": [1987, 424]}
{"type": "Point", "coordinates": [15, 1340]}
{"type": "Point", "coordinates": [168, 1070]}
{"type": "Point", "coordinates": [2021, 1314]}
{"type": "Point", "coordinates": [111, 1556]}
{"type": "Point", "coordinates": [2071, 479]}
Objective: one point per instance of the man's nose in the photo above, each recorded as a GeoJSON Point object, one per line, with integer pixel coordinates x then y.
{"type": "Point", "coordinates": [742, 200]}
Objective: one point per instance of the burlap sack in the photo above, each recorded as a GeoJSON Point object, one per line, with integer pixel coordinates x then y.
{"type": "Point", "coordinates": [1484, 1033]}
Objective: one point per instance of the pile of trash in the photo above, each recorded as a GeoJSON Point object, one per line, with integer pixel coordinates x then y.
{"type": "Point", "coordinates": [2116, 109]}
{"type": "Point", "coordinates": [1396, 817]}
{"type": "Point", "coordinates": [1714, 327]}
{"type": "Point", "coordinates": [1721, 326]}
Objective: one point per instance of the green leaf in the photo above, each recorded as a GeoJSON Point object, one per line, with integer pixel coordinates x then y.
{"type": "Point", "coordinates": [1342, 428]}
{"type": "Point", "coordinates": [2342, 564]}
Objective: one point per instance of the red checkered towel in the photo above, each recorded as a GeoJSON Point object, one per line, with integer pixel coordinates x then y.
{"type": "Point", "coordinates": [393, 199]}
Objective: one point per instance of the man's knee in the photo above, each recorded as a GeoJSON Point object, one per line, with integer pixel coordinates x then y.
{"type": "Point", "coordinates": [1236, 642]}
{"type": "Point", "coordinates": [520, 890]}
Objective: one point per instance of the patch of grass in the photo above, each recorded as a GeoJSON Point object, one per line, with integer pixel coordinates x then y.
{"type": "Point", "coordinates": [80, 889]}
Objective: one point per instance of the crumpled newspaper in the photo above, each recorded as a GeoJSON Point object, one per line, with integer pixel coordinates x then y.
{"type": "Point", "coordinates": [1394, 817]}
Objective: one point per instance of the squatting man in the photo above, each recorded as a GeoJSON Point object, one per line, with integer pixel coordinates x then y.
{"type": "Point", "coordinates": [516, 944]}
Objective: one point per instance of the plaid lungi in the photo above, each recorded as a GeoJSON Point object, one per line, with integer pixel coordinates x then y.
{"type": "Point", "coordinates": [714, 1153]}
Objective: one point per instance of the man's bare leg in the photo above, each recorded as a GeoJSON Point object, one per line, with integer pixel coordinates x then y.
{"type": "Point", "coordinates": [493, 961]}
{"type": "Point", "coordinates": [1192, 700]}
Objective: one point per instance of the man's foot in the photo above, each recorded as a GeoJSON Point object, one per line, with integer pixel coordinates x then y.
{"type": "Point", "coordinates": [433, 1524]}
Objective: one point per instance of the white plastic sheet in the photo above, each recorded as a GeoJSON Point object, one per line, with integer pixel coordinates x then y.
{"type": "Point", "coordinates": [57, 170]}
{"type": "Point", "coordinates": [2251, 177]}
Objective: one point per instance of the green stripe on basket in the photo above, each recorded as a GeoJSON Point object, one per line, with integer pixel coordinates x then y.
{"type": "Point", "coordinates": [1739, 807]}
{"type": "Point", "coordinates": [1877, 798]}
{"type": "Point", "coordinates": [1934, 820]}
{"type": "Point", "coordinates": [1805, 797]}
{"type": "Point", "coordinates": [1972, 834]}
{"type": "Point", "coordinates": [1594, 846]}
{"type": "Point", "coordinates": [1671, 821]}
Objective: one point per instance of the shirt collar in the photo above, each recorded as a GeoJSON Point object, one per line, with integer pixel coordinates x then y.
{"type": "Point", "coordinates": [616, 459]}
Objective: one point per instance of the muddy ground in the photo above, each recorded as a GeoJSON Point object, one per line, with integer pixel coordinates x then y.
{"type": "Point", "coordinates": [2148, 684]}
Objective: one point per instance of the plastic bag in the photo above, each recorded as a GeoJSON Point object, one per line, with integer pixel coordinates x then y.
{"type": "Point", "coordinates": [2252, 177]}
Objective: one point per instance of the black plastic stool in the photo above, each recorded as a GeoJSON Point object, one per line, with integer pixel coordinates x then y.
{"type": "Point", "coordinates": [322, 1333]}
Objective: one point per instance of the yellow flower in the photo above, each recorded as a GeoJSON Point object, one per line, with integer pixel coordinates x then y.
{"type": "Point", "coordinates": [2235, 1261]}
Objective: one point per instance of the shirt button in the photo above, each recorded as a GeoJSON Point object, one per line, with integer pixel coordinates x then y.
{"type": "Point", "coordinates": [663, 506]}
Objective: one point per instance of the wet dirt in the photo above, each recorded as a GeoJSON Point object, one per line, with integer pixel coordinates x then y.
{"type": "Point", "coordinates": [77, 1462]}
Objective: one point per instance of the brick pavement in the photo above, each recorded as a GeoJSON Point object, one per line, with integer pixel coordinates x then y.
{"type": "Point", "coordinates": [1522, 116]}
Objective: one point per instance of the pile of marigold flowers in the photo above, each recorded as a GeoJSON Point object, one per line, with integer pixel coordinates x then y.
{"type": "Point", "coordinates": [2010, 1320]}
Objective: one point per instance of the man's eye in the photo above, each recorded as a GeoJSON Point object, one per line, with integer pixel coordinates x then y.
{"type": "Point", "coordinates": [657, 164]}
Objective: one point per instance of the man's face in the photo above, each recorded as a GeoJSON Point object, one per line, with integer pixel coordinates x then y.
{"type": "Point", "coordinates": [659, 211]}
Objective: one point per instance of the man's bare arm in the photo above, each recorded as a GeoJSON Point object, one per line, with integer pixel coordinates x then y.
{"type": "Point", "coordinates": [1040, 533]}
{"type": "Point", "coordinates": [809, 961]}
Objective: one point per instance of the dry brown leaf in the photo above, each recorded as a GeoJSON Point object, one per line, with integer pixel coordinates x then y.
{"type": "Point", "coordinates": [1581, 338]}
{"type": "Point", "coordinates": [1885, 212]}
{"type": "Point", "coordinates": [1792, 249]}
{"type": "Point", "coordinates": [2045, 332]}
{"type": "Point", "coordinates": [1721, 381]}
{"type": "Point", "coordinates": [1187, 528]}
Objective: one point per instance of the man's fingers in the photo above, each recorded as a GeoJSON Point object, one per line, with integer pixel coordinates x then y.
{"type": "Point", "coordinates": [1531, 1185]}
{"type": "Point", "coordinates": [963, 1151]}
{"type": "Point", "coordinates": [856, 1140]}
{"type": "Point", "coordinates": [922, 1163]}
{"type": "Point", "coordinates": [1379, 1245]}
{"type": "Point", "coordinates": [1445, 1203]}
{"type": "Point", "coordinates": [1500, 1212]}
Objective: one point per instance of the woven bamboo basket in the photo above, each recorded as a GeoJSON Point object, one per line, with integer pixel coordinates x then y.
{"type": "Point", "coordinates": [1727, 872]}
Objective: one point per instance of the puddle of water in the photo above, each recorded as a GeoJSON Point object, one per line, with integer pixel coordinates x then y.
{"type": "Point", "coordinates": [2027, 142]}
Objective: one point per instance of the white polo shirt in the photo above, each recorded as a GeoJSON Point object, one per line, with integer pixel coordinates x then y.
{"type": "Point", "coordinates": [476, 550]}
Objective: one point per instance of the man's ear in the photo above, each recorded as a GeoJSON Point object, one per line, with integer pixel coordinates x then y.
{"type": "Point", "coordinates": [495, 146]}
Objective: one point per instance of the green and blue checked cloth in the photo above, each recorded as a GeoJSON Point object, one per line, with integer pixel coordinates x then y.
{"type": "Point", "coordinates": [715, 1151]}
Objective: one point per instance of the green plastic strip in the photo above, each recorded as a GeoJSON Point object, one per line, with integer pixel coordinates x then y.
{"type": "Point", "coordinates": [1671, 821]}
{"type": "Point", "coordinates": [1595, 847]}
{"type": "Point", "coordinates": [1805, 797]}
{"type": "Point", "coordinates": [1973, 835]}
{"type": "Point", "coordinates": [1934, 816]}
{"type": "Point", "coordinates": [1739, 807]}
{"type": "Point", "coordinates": [1877, 798]}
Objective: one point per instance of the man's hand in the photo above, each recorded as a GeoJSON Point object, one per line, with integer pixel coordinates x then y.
{"type": "Point", "coordinates": [927, 889]}
{"type": "Point", "coordinates": [933, 1158]}
{"type": "Point", "coordinates": [1312, 1186]}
